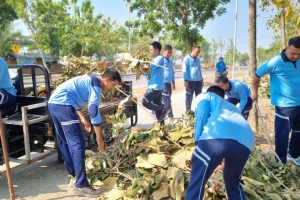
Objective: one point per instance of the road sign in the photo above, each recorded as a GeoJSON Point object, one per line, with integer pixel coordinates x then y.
{"type": "Point", "coordinates": [16, 48]}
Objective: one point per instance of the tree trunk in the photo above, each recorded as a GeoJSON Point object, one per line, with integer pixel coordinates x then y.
{"type": "Point", "coordinates": [283, 35]}
{"type": "Point", "coordinates": [252, 56]}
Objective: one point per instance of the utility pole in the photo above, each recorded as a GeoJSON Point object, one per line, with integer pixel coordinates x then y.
{"type": "Point", "coordinates": [221, 43]}
{"type": "Point", "coordinates": [234, 37]}
{"type": "Point", "coordinates": [129, 27]}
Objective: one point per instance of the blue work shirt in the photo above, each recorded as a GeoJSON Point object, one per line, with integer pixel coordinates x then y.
{"type": "Point", "coordinates": [239, 90]}
{"type": "Point", "coordinates": [221, 67]}
{"type": "Point", "coordinates": [191, 69]}
{"type": "Point", "coordinates": [78, 91]}
{"type": "Point", "coordinates": [5, 81]}
{"type": "Point", "coordinates": [156, 81]}
{"type": "Point", "coordinates": [284, 80]}
{"type": "Point", "coordinates": [215, 118]}
{"type": "Point", "coordinates": [169, 73]}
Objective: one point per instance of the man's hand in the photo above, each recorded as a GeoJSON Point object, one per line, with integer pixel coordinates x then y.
{"type": "Point", "coordinates": [86, 124]}
{"type": "Point", "coordinates": [186, 84]}
{"type": "Point", "coordinates": [174, 87]}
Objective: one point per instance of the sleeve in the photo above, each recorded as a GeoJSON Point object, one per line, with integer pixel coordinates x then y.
{"type": "Point", "coordinates": [225, 67]}
{"type": "Point", "coordinates": [185, 69]}
{"type": "Point", "coordinates": [2, 68]}
{"type": "Point", "coordinates": [264, 69]}
{"type": "Point", "coordinates": [157, 62]}
{"type": "Point", "coordinates": [173, 73]}
{"type": "Point", "coordinates": [202, 114]}
{"type": "Point", "coordinates": [93, 107]}
{"type": "Point", "coordinates": [217, 66]}
{"type": "Point", "coordinates": [243, 96]}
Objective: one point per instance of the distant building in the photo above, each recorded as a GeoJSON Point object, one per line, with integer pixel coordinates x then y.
{"type": "Point", "coordinates": [28, 58]}
{"type": "Point", "coordinates": [34, 58]}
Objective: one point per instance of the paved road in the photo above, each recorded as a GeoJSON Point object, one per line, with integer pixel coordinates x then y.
{"type": "Point", "coordinates": [178, 75]}
{"type": "Point", "coordinates": [128, 77]}
{"type": "Point", "coordinates": [142, 82]}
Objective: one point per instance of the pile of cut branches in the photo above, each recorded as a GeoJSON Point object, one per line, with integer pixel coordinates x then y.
{"type": "Point", "coordinates": [155, 164]}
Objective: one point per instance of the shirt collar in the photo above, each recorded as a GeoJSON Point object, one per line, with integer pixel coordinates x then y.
{"type": "Point", "coordinates": [284, 57]}
{"type": "Point", "coordinates": [192, 56]}
{"type": "Point", "coordinates": [229, 86]}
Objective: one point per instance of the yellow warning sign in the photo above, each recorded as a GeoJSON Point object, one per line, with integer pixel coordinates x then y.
{"type": "Point", "coordinates": [16, 48]}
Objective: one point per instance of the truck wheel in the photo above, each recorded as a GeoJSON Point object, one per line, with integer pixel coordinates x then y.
{"type": "Point", "coordinates": [60, 159]}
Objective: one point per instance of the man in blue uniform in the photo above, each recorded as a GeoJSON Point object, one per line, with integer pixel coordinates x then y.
{"type": "Point", "coordinates": [192, 75]}
{"type": "Point", "coordinates": [237, 92]}
{"type": "Point", "coordinates": [221, 67]}
{"type": "Point", "coordinates": [64, 105]}
{"type": "Point", "coordinates": [284, 71]}
{"type": "Point", "coordinates": [169, 79]}
{"type": "Point", "coordinates": [221, 132]}
{"type": "Point", "coordinates": [7, 90]}
{"type": "Point", "coordinates": [153, 97]}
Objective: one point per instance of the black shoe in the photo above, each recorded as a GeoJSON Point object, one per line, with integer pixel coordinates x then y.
{"type": "Point", "coordinates": [164, 114]}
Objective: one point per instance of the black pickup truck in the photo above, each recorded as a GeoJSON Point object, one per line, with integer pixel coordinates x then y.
{"type": "Point", "coordinates": [29, 127]}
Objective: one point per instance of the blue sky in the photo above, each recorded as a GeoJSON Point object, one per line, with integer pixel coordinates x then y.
{"type": "Point", "coordinates": [222, 26]}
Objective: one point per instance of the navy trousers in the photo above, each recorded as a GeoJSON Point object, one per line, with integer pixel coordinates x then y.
{"type": "Point", "coordinates": [7, 102]}
{"type": "Point", "coordinates": [207, 156]}
{"type": "Point", "coordinates": [166, 97]}
{"type": "Point", "coordinates": [153, 101]}
{"type": "Point", "coordinates": [248, 106]}
{"type": "Point", "coordinates": [71, 141]}
{"type": "Point", "coordinates": [194, 87]}
{"type": "Point", "coordinates": [287, 120]}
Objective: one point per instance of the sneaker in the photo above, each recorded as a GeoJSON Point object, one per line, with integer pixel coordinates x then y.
{"type": "Point", "coordinates": [87, 191]}
{"type": "Point", "coordinates": [72, 181]}
{"type": "Point", "coordinates": [295, 160]}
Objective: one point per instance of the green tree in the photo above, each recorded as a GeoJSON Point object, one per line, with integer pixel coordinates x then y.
{"type": "Point", "coordinates": [7, 38]}
{"type": "Point", "coordinates": [183, 18]}
{"type": "Point", "coordinates": [214, 49]}
{"type": "Point", "coordinates": [50, 19]}
{"type": "Point", "coordinates": [205, 52]}
{"type": "Point", "coordinates": [7, 14]}
{"type": "Point", "coordinates": [242, 58]}
{"type": "Point", "coordinates": [62, 27]}
{"type": "Point", "coordinates": [285, 21]}
{"type": "Point", "coordinates": [229, 53]}
{"type": "Point", "coordinates": [264, 54]}
{"type": "Point", "coordinates": [91, 35]}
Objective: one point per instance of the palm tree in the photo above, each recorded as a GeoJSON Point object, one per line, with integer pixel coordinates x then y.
{"type": "Point", "coordinates": [8, 37]}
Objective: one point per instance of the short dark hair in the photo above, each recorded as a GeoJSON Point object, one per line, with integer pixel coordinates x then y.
{"type": "Point", "coordinates": [196, 47]}
{"type": "Point", "coordinates": [112, 74]}
{"type": "Point", "coordinates": [217, 90]}
{"type": "Point", "coordinates": [295, 41]}
{"type": "Point", "coordinates": [222, 79]}
{"type": "Point", "coordinates": [167, 47]}
{"type": "Point", "coordinates": [156, 45]}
